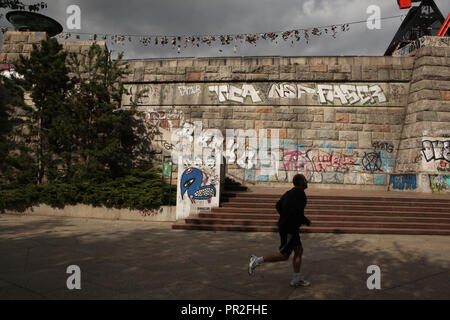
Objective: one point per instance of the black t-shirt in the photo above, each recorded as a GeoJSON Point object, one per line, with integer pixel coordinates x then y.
{"type": "Point", "coordinates": [291, 208]}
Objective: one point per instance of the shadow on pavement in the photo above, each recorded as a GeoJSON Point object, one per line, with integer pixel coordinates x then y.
{"type": "Point", "coordinates": [132, 260]}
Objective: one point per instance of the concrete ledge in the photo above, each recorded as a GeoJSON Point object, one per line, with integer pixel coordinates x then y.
{"type": "Point", "coordinates": [164, 213]}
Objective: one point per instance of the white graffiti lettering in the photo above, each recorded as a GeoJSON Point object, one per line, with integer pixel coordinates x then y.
{"type": "Point", "coordinates": [288, 91]}
{"type": "Point", "coordinates": [233, 93]}
{"type": "Point", "coordinates": [350, 94]}
{"type": "Point", "coordinates": [189, 90]}
{"type": "Point", "coordinates": [436, 150]}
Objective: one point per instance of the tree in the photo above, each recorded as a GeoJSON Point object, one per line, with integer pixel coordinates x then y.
{"type": "Point", "coordinates": [5, 128]}
{"type": "Point", "coordinates": [104, 139]}
{"type": "Point", "coordinates": [46, 79]}
{"type": "Point", "coordinates": [71, 132]}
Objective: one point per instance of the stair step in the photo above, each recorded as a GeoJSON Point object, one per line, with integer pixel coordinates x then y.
{"type": "Point", "coordinates": [354, 230]}
{"type": "Point", "coordinates": [314, 218]}
{"type": "Point", "coordinates": [335, 212]}
{"type": "Point", "coordinates": [378, 214]}
{"type": "Point", "coordinates": [311, 202]}
{"type": "Point", "coordinates": [330, 197]}
{"type": "Point", "coordinates": [245, 222]}
{"type": "Point", "coordinates": [340, 207]}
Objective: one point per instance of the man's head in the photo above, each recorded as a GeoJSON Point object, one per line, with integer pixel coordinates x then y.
{"type": "Point", "coordinates": [300, 181]}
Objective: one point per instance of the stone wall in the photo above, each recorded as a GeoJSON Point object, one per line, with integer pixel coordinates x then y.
{"type": "Point", "coordinates": [348, 122]}
{"type": "Point", "coordinates": [425, 139]}
{"type": "Point", "coordinates": [333, 141]}
{"type": "Point", "coordinates": [16, 43]}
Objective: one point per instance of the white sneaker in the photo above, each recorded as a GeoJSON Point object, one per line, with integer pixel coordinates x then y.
{"type": "Point", "coordinates": [252, 264]}
{"type": "Point", "coordinates": [299, 282]}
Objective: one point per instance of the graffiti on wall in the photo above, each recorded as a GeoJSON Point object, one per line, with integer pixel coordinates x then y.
{"type": "Point", "coordinates": [436, 155]}
{"type": "Point", "coordinates": [318, 164]}
{"type": "Point", "coordinates": [372, 162]}
{"type": "Point", "coordinates": [439, 183]}
{"type": "Point", "coordinates": [350, 94]}
{"type": "Point", "coordinates": [403, 181]}
{"type": "Point", "coordinates": [189, 90]}
{"type": "Point", "coordinates": [160, 123]}
{"type": "Point", "coordinates": [436, 150]}
{"type": "Point", "coordinates": [140, 94]}
{"type": "Point", "coordinates": [194, 183]}
{"type": "Point", "coordinates": [257, 93]}
{"type": "Point", "coordinates": [235, 94]}
{"type": "Point", "coordinates": [381, 159]}
{"type": "Point", "coordinates": [346, 94]}
{"type": "Point", "coordinates": [291, 91]}
{"type": "Point", "coordinates": [383, 146]}
{"type": "Point", "coordinates": [332, 160]}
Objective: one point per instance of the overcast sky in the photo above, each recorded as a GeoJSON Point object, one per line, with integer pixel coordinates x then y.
{"type": "Point", "coordinates": [215, 17]}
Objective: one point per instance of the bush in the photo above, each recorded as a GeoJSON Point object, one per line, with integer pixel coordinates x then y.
{"type": "Point", "coordinates": [138, 190]}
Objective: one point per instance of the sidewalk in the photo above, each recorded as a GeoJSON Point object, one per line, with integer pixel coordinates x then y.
{"type": "Point", "coordinates": [148, 260]}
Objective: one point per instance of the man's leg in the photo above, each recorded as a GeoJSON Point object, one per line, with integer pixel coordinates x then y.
{"type": "Point", "coordinates": [283, 255]}
{"type": "Point", "coordinates": [297, 261]}
{"type": "Point", "coordinates": [275, 257]}
{"type": "Point", "coordinates": [257, 261]}
{"type": "Point", "coordinates": [297, 279]}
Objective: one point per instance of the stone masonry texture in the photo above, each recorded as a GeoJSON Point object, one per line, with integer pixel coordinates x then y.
{"type": "Point", "coordinates": [377, 123]}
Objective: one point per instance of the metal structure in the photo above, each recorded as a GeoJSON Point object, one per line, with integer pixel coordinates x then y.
{"type": "Point", "coordinates": [31, 21]}
{"type": "Point", "coordinates": [422, 20]}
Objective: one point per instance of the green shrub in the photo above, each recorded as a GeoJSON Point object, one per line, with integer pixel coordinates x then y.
{"type": "Point", "coordinates": [138, 190]}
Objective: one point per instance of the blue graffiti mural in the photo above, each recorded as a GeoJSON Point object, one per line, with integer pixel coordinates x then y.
{"type": "Point", "coordinates": [403, 181]}
{"type": "Point", "coordinates": [192, 182]}
{"type": "Point", "coordinates": [380, 179]}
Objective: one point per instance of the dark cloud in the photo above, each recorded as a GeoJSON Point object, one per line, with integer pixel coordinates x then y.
{"type": "Point", "coordinates": [192, 17]}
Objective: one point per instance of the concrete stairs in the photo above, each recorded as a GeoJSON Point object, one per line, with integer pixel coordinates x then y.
{"type": "Point", "coordinates": [363, 214]}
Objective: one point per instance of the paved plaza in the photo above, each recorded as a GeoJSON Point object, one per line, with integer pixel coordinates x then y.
{"type": "Point", "coordinates": [149, 260]}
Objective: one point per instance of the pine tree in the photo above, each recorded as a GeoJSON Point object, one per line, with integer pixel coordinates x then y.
{"type": "Point", "coordinates": [46, 79]}
{"type": "Point", "coordinates": [105, 139]}
{"type": "Point", "coordinates": [5, 128]}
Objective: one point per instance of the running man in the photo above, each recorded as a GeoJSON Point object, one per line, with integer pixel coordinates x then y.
{"type": "Point", "coordinates": [291, 209]}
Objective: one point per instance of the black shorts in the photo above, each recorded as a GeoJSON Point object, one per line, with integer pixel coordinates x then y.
{"type": "Point", "coordinates": [289, 241]}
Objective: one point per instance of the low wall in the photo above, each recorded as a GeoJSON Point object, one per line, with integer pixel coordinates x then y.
{"type": "Point", "coordinates": [164, 213]}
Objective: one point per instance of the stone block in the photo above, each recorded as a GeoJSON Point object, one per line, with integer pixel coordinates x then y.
{"type": "Point", "coordinates": [301, 125]}
{"type": "Point", "coordinates": [342, 117]}
{"type": "Point", "coordinates": [17, 37]}
{"type": "Point", "coordinates": [303, 76]}
{"type": "Point", "coordinates": [318, 68]}
{"type": "Point", "coordinates": [193, 76]}
{"type": "Point", "coordinates": [323, 126]}
{"type": "Point", "coordinates": [350, 178]}
{"type": "Point", "coordinates": [364, 140]}
{"type": "Point", "coordinates": [431, 72]}
{"type": "Point", "coordinates": [427, 116]}
{"type": "Point", "coordinates": [333, 177]}
{"type": "Point", "coordinates": [356, 73]}
{"type": "Point", "coordinates": [327, 134]}
{"type": "Point", "coordinates": [348, 136]}
{"type": "Point", "coordinates": [445, 95]}
{"type": "Point", "coordinates": [285, 116]}
{"type": "Point", "coordinates": [365, 179]}
{"type": "Point", "coordinates": [357, 118]}
{"type": "Point", "coordinates": [329, 115]}
{"type": "Point", "coordinates": [309, 134]}
{"type": "Point", "coordinates": [294, 134]}
{"type": "Point", "coordinates": [234, 124]}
